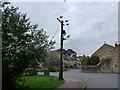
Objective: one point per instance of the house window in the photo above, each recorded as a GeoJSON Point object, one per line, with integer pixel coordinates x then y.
{"type": "Point", "coordinates": [109, 54]}
{"type": "Point", "coordinates": [116, 65]}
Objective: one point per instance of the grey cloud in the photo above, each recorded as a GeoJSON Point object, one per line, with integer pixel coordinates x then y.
{"type": "Point", "coordinates": [88, 32]}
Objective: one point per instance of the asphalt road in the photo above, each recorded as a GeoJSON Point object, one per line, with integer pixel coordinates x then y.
{"type": "Point", "coordinates": [92, 80]}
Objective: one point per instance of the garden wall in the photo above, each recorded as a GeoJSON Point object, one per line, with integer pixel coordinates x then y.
{"type": "Point", "coordinates": [103, 67]}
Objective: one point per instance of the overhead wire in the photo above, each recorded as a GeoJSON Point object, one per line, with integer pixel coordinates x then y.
{"type": "Point", "coordinates": [89, 12]}
{"type": "Point", "coordinates": [95, 12]}
{"type": "Point", "coordinates": [79, 10]}
{"type": "Point", "coordinates": [54, 35]}
{"type": "Point", "coordinates": [69, 13]}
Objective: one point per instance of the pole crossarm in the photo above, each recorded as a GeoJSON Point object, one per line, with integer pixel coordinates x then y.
{"type": "Point", "coordinates": [58, 20]}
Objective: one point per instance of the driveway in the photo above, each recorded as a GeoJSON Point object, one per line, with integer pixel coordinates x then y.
{"type": "Point", "coordinates": [92, 80]}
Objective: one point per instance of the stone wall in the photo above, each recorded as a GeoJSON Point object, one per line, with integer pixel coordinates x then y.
{"type": "Point", "coordinates": [103, 67]}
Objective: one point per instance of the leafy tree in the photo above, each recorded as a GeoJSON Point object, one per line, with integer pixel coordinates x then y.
{"type": "Point", "coordinates": [85, 61]}
{"type": "Point", "coordinates": [70, 52]}
{"type": "Point", "coordinates": [94, 60]}
{"type": "Point", "coordinates": [52, 62]}
{"type": "Point", "coordinates": [23, 45]}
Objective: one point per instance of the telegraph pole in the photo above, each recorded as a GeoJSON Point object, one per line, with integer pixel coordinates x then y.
{"type": "Point", "coordinates": [61, 48]}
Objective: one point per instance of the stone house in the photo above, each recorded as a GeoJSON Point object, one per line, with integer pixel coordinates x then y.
{"type": "Point", "coordinates": [108, 51]}
{"type": "Point", "coordinates": [109, 65]}
{"type": "Point", "coordinates": [115, 59]}
{"type": "Point", "coordinates": [104, 51]}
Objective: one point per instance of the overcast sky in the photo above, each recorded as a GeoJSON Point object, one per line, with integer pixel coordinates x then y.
{"type": "Point", "coordinates": [91, 23]}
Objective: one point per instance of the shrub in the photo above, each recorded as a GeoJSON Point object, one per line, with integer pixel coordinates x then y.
{"type": "Point", "coordinates": [71, 66]}
{"type": "Point", "coordinates": [30, 72]}
{"type": "Point", "coordinates": [53, 69]}
{"type": "Point", "coordinates": [66, 66]}
{"type": "Point", "coordinates": [85, 61]}
{"type": "Point", "coordinates": [94, 60]}
{"type": "Point", "coordinates": [41, 69]}
{"type": "Point", "coordinates": [102, 59]}
{"type": "Point", "coordinates": [65, 69]}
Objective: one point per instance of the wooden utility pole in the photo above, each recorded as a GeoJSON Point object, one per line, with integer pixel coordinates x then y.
{"type": "Point", "coordinates": [63, 33]}
{"type": "Point", "coordinates": [61, 52]}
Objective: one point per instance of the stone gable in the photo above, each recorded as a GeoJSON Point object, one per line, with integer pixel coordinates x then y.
{"type": "Point", "coordinates": [104, 51]}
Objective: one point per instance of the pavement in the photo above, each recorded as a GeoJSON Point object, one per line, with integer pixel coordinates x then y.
{"type": "Point", "coordinates": [72, 84]}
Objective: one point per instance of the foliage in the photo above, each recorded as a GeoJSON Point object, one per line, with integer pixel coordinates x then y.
{"type": "Point", "coordinates": [30, 72]}
{"type": "Point", "coordinates": [102, 59]}
{"type": "Point", "coordinates": [40, 81]}
{"type": "Point", "coordinates": [66, 66]}
{"type": "Point", "coordinates": [85, 61]}
{"type": "Point", "coordinates": [23, 45]}
{"type": "Point", "coordinates": [70, 52]}
{"type": "Point", "coordinates": [52, 62]}
{"type": "Point", "coordinates": [53, 68]}
{"type": "Point", "coordinates": [94, 60]}
{"type": "Point", "coordinates": [71, 66]}
{"type": "Point", "coordinates": [65, 69]}
{"type": "Point", "coordinates": [41, 69]}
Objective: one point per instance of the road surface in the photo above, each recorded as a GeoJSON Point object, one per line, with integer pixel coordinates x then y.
{"type": "Point", "coordinates": [92, 80]}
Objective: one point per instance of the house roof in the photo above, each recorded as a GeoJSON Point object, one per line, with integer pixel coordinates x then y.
{"type": "Point", "coordinates": [104, 45]}
{"type": "Point", "coordinates": [80, 57]}
{"type": "Point", "coordinates": [69, 58]}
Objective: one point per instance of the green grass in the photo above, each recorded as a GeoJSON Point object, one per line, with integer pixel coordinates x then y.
{"type": "Point", "coordinates": [40, 81]}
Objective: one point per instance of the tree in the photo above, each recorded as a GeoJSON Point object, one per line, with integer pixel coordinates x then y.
{"type": "Point", "coordinates": [23, 45]}
{"type": "Point", "coordinates": [71, 53]}
{"type": "Point", "coordinates": [52, 62]}
{"type": "Point", "coordinates": [94, 60]}
{"type": "Point", "coordinates": [85, 61]}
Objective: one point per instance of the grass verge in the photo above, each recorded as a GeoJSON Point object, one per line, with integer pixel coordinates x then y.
{"type": "Point", "coordinates": [40, 81]}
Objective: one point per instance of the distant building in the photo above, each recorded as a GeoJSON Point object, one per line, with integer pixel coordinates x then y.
{"type": "Point", "coordinates": [79, 58]}
{"type": "Point", "coordinates": [55, 52]}
{"type": "Point", "coordinates": [67, 60]}
{"type": "Point", "coordinates": [72, 61]}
